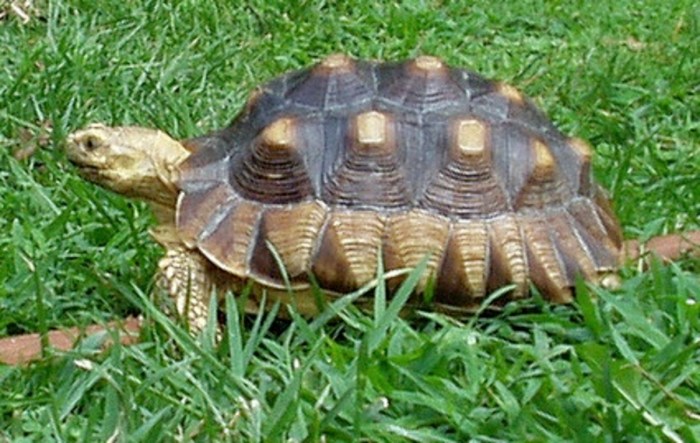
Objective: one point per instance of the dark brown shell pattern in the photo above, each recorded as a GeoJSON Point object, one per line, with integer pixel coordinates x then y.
{"type": "Point", "coordinates": [333, 164]}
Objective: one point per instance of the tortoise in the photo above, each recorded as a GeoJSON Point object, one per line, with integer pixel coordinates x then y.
{"type": "Point", "coordinates": [329, 169]}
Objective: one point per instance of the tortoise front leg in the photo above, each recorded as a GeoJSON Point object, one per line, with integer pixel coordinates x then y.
{"type": "Point", "coordinates": [183, 275]}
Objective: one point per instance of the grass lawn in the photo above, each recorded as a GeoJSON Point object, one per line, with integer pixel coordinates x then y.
{"type": "Point", "coordinates": [620, 366]}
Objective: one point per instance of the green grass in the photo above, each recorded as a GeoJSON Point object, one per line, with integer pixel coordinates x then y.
{"type": "Point", "coordinates": [615, 367]}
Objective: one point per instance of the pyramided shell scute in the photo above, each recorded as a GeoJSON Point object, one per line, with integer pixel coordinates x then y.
{"type": "Point", "coordinates": [330, 169]}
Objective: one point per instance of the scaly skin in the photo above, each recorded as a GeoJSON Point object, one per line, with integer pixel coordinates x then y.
{"type": "Point", "coordinates": [137, 162]}
{"type": "Point", "coordinates": [143, 163]}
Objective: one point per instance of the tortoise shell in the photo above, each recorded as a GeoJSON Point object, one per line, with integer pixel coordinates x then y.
{"type": "Point", "coordinates": [329, 169]}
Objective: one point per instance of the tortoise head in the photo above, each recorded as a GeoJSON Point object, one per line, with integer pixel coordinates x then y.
{"type": "Point", "coordinates": [136, 162]}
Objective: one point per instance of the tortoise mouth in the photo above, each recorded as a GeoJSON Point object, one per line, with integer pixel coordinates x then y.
{"type": "Point", "coordinates": [88, 172]}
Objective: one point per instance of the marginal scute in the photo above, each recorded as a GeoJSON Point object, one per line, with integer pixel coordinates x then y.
{"type": "Point", "coordinates": [195, 210]}
{"type": "Point", "coordinates": [228, 243]}
{"type": "Point", "coordinates": [607, 216]}
{"type": "Point", "coordinates": [586, 220]}
{"type": "Point", "coordinates": [572, 251]}
{"type": "Point", "coordinates": [546, 269]}
{"type": "Point", "coordinates": [584, 153]}
{"type": "Point", "coordinates": [330, 264]}
{"type": "Point", "coordinates": [507, 260]}
{"type": "Point", "coordinates": [346, 256]}
{"type": "Point", "coordinates": [410, 237]}
{"type": "Point", "coordinates": [472, 238]}
{"type": "Point", "coordinates": [461, 279]}
{"type": "Point", "coordinates": [452, 284]}
{"type": "Point", "coordinates": [292, 232]}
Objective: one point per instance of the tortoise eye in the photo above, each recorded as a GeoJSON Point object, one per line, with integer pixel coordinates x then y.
{"type": "Point", "coordinates": [90, 144]}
